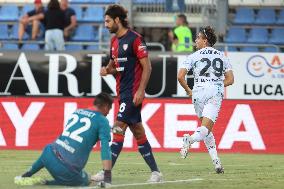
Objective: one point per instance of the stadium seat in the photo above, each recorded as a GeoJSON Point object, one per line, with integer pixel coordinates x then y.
{"type": "Point", "coordinates": [79, 12]}
{"type": "Point", "coordinates": [232, 48]}
{"type": "Point", "coordinates": [93, 47]}
{"type": "Point", "coordinates": [26, 8]}
{"type": "Point", "coordinates": [258, 35]}
{"type": "Point", "coordinates": [250, 49]}
{"type": "Point", "coordinates": [144, 1]}
{"type": "Point", "coordinates": [9, 13]}
{"type": "Point", "coordinates": [236, 35]}
{"type": "Point", "coordinates": [14, 33]}
{"type": "Point", "coordinates": [81, 1]}
{"type": "Point", "coordinates": [265, 16]}
{"type": "Point", "coordinates": [280, 18]}
{"type": "Point", "coordinates": [244, 16]}
{"type": "Point", "coordinates": [30, 47]}
{"type": "Point", "coordinates": [270, 49]}
{"type": "Point", "coordinates": [73, 47]}
{"type": "Point", "coordinates": [94, 14]}
{"type": "Point", "coordinates": [85, 33]}
{"type": "Point", "coordinates": [4, 31]}
{"type": "Point", "coordinates": [277, 36]}
{"type": "Point", "coordinates": [9, 46]}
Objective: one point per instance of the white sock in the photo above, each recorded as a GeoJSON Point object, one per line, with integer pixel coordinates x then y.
{"type": "Point", "coordinates": [199, 134]}
{"type": "Point", "coordinates": [211, 146]}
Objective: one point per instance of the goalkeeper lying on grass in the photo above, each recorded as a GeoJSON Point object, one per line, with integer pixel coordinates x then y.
{"type": "Point", "coordinates": [67, 156]}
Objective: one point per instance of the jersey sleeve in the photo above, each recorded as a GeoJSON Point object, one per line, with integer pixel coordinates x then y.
{"type": "Point", "coordinates": [72, 12]}
{"type": "Point", "coordinates": [187, 64]}
{"type": "Point", "coordinates": [104, 136]}
{"type": "Point", "coordinates": [140, 48]}
{"type": "Point", "coordinates": [227, 65]}
{"type": "Point", "coordinates": [174, 33]}
{"type": "Point", "coordinates": [110, 48]}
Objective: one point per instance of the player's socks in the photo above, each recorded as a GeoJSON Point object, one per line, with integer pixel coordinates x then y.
{"type": "Point", "coordinates": [116, 147]}
{"type": "Point", "coordinates": [146, 152]}
{"type": "Point", "coordinates": [199, 134]}
{"type": "Point", "coordinates": [211, 146]}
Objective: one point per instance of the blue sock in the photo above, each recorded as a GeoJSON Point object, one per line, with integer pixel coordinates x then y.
{"type": "Point", "coordinates": [116, 148]}
{"type": "Point", "coordinates": [146, 152]}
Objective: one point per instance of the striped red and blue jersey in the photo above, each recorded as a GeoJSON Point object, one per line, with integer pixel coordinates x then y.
{"type": "Point", "coordinates": [126, 51]}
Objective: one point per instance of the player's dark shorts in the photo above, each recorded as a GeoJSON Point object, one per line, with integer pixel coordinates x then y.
{"type": "Point", "coordinates": [128, 112]}
{"type": "Point", "coordinates": [63, 174]}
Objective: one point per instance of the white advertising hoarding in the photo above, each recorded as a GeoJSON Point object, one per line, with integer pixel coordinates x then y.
{"type": "Point", "coordinates": [257, 76]}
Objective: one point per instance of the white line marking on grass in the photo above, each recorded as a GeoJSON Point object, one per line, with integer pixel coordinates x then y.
{"type": "Point", "coordinates": [139, 184]}
{"type": "Point", "coordinates": [164, 182]}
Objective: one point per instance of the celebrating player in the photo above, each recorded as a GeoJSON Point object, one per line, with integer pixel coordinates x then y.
{"type": "Point", "coordinates": [67, 156]}
{"type": "Point", "coordinates": [130, 63]}
{"type": "Point", "coordinates": [212, 72]}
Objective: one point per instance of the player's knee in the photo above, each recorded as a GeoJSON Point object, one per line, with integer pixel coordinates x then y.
{"type": "Point", "coordinates": [141, 139]}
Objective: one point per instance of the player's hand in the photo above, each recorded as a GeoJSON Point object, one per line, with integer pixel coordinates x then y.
{"type": "Point", "coordinates": [138, 97]}
{"type": "Point", "coordinates": [103, 71]}
{"type": "Point", "coordinates": [189, 93]}
{"type": "Point", "coordinates": [66, 32]}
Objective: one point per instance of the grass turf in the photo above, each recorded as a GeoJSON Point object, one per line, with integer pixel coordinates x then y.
{"type": "Point", "coordinates": [241, 170]}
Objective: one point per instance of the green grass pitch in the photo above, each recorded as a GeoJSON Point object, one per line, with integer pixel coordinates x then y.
{"type": "Point", "coordinates": [241, 170]}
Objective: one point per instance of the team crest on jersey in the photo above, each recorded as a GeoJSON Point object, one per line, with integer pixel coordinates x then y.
{"type": "Point", "coordinates": [125, 46]}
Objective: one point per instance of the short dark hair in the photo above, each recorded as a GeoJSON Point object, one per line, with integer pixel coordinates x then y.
{"type": "Point", "coordinates": [115, 11]}
{"type": "Point", "coordinates": [183, 17]}
{"type": "Point", "coordinates": [209, 33]}
{"type": "Point", "coordinates": [53, 5]}
{"type": "Point", "coordinates": [103, 99]}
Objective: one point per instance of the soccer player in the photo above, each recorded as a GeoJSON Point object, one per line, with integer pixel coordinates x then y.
{"type": "Point", "coordinates": [212, 72]}
{"type": "Point", "coordinates": [66, 157]}
{"type": "Point", "coordinates": [130, 63]}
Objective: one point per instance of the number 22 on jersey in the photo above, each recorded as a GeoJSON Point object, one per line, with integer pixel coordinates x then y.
{"type": "Point", "coordinates": [75, 135]}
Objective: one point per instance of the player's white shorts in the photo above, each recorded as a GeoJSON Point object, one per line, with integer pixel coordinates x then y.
{"type": "Point", "coordinates": [207, 101]}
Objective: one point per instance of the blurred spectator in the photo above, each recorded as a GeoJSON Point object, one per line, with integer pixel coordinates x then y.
{"type": "Point", "coordinates": [70, 17]}
{"type": "Point", "coordinates": [31, 24]}
{"type": "Point", "coordinates": [181, 36]}
{"type": "Point", "coordinates": [55, 21]}
{"type": "Point", "coordinates": [180, 3]}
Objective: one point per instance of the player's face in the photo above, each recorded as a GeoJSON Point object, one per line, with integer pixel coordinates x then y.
{"type": "Point", "coordinates": [200, 41]}
{"type": "Point", "coordinates": [178, 21]}
{"type": "Point", "coordinates": [110, 24]}
{"type": "Point", "coordinates": [64, 4]}
{"type": "Point", "coordinates": [38, 6]}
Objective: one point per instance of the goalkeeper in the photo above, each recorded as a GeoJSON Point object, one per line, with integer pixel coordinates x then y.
{"type": "Point", "coordinates": [66, 157]}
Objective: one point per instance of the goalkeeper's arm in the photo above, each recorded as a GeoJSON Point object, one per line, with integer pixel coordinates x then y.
{"type": "Point", "coordinates": [106, 160]}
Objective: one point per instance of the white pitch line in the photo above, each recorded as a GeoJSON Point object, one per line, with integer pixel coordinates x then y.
{"type": "Point", "coordinates": [139, 184]}
{"type": "Point", "coordinates": [164, 182]}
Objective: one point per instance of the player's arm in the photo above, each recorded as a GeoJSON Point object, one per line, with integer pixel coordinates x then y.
{"type": "Point", "coordinates": [181, 79]}
{"type": "Point", "coordinates": [39, 16]}
{"type": "Point", "coordinates": [109, 69]}
{"type": "Point", "coordinates": [229, 78]}
{"type": "Point", "coordinates": [147, 69]}
{"type": "Point", "coordinates": [104, 135]}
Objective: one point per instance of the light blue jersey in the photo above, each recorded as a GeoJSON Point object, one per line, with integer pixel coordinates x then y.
{"type": "Point", "coordinates": [83, 130]}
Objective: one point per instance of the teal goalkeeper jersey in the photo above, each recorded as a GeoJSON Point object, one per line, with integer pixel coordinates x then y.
{"type": "Point", "coordinates": [83, 130]}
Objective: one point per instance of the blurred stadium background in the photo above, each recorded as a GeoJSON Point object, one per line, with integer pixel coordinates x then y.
{"type": "Point", "coordinates": [40, 89]}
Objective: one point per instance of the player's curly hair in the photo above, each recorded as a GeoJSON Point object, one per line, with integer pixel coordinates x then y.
{"type": "Point", "coordinates": [209, 33]}
{"type": "Point", "coordinates": [115, 11]}
{"type": "Point", "coordinates": [103, 99]}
